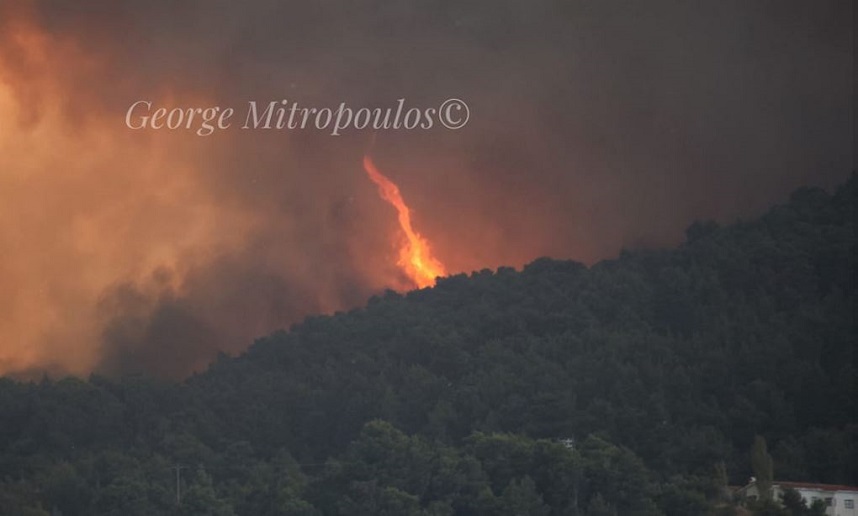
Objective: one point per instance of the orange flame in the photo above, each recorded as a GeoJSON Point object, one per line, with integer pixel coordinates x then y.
{"type": "Point", "coordinates": [415, 254]}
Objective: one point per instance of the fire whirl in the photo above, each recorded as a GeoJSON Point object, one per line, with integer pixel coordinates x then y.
{"type": "Point", "coordinates": [415, 253]}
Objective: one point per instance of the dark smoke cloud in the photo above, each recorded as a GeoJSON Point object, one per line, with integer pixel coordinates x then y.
{"type": "Point", "coordinates": [594, 126]}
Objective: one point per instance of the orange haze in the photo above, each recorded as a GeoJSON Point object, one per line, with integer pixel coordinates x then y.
{"type": "Point", "coordinates": [86, 208]}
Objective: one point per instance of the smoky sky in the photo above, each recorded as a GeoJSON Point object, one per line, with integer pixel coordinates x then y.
{"type": "Point", "coordinates": [595, 126]}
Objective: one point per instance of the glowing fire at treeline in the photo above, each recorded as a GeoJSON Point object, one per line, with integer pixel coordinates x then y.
{"type": "Point", "coordinates": [415, 253]}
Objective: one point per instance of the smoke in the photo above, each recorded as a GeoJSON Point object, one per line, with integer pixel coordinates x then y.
{"type": "Point", "coordinates": [594, 126]}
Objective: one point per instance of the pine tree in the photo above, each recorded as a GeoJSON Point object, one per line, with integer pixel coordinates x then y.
{"type": "Point", "coordinates": [761, 464]}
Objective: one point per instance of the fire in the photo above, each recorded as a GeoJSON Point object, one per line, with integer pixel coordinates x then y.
{"type": "Point", "coordinates": [415, 254]}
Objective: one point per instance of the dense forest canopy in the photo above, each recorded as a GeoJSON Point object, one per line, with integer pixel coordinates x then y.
{"type": "Point", "coordinates": [635, 386]}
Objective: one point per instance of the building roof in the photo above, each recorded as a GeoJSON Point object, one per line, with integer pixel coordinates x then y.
{"type": "Point", "coordinates": [819, 487]}
{"type": "Point", "coordinates": [831, 488]}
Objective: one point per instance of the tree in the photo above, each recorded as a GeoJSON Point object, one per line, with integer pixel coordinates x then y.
{"type": "Point", "coordinates": [617, 475]}
{"type": "Point", "coordinates": [817, 508]}
{"type": "Point", "coordinates": [202, 498]}
{"type": "Point", "coordinates": [521, 498]}
{"type": "Point", "coordinates": [767, 508]}
{"type": "Point", "coordinates": [598, 506]}
{"type": "Point", "coordinates": [720, 481]}
{"type": "Point", "coordinates": [793, 502]}
{"type": "Point", "coordinates": [761, 464]}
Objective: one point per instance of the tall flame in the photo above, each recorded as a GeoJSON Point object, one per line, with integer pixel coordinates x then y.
{"type": "Point", "coordinates": [415, 254]}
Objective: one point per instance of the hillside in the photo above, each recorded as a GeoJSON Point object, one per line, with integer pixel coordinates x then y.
{"type": "Point", "coordinates": [635, 386]}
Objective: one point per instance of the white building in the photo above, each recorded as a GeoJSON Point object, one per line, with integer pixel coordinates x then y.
{"type": "Point", "coordinates": [839, 500]}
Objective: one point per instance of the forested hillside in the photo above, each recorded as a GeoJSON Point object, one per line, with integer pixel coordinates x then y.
{"type": "Point", "coordinates": [635, 386]}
